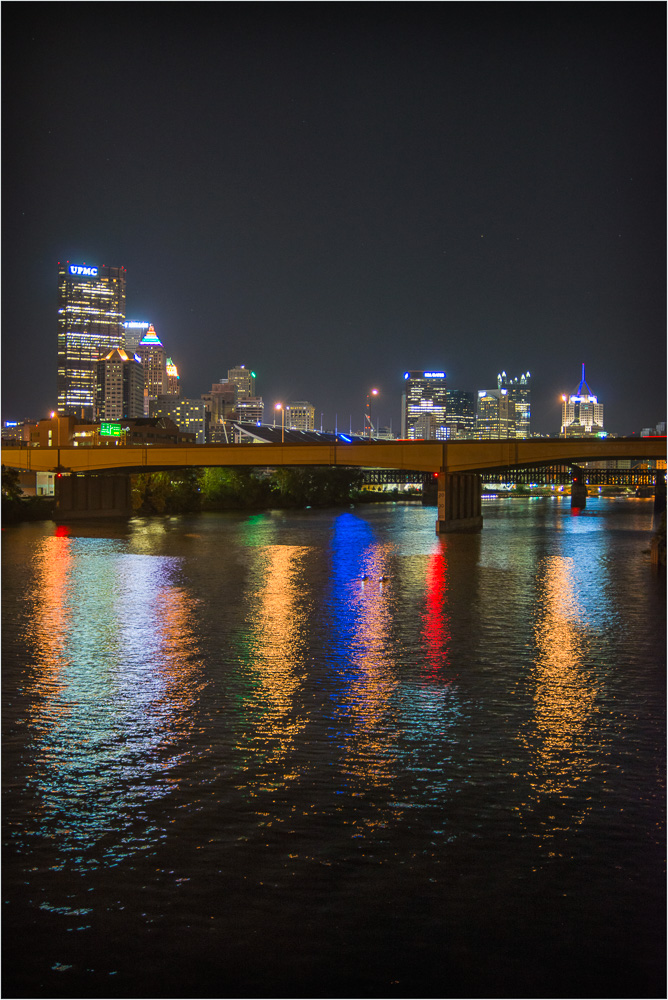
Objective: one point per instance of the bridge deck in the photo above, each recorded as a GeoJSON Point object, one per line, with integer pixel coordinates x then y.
{"type": "Point", "coordinates": [426, 456]}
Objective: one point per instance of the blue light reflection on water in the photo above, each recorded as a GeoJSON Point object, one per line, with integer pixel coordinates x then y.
{"type": "Point", "coordinates": [360, 621]}
{"type": "Point", "coordinates": [394, 720]}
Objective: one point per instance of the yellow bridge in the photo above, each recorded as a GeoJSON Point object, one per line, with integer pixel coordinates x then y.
{"type": "Point", "coordinates": [421, 456]}
{"type": "Point", "coordinates": [95, 481]}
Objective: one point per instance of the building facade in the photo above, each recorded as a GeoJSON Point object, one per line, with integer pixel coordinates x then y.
{"type": "Point", "coordinates": [134, 331]}
{"type": "Point", "coordinates": [581, 413]}
{"type": "Point", "coordinates": [119, 386]}
{"type": "Point", "coordinates": [496, 414]}
{"type": "Point", "coordinates": [424, 406]}
{"type": "Point", "coordinates": [153, 357]}
{"type": "Point", "coordinates": [91, 316]}
{"type": "Point", "coordinates": [250, 409]}
{"type": "Point", "coordinates": [18, 431]}
{"type": "Point", "coordinates": [519, 391]}
{"type": "Point", "coordinates": [173, 379]}
{"type": "Point", "coordinates": [244, 379]}
{"type": "Point", "coordinates": [61, 431]}
{"type": "Point", "coordinates": [189, 415]}
{"type": "Point", "coordinates": [221, 402]}
{"type": "Point", "coordinates": [300, 416]}
{"type": "Point", "coordinates": [460, 414]}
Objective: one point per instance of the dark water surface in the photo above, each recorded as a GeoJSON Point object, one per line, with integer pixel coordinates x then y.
{"type": "Point", "coordinates": [326, 754]}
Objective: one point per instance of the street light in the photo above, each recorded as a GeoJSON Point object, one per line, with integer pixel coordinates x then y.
{"type": "Point", "coordinates": [372, 392]}
{"type": "Point", "coordinates": [279, 406]}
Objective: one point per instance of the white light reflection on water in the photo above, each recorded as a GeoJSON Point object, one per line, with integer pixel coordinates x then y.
{"type": "Point", "coordinates": [114, 674]}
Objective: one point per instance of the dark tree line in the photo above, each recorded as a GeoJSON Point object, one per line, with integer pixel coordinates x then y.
{"type": "Point", "coordinates": [242, 489]}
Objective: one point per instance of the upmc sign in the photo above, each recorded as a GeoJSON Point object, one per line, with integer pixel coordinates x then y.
{"type": "Point", "coordinates": [88, 271]}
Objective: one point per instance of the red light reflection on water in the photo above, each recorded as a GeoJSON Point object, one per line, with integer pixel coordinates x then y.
{"type": "Point", "coordinates": [436, 627]}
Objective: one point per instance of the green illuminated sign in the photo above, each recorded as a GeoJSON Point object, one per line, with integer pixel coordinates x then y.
{"type": "Point", "coordinates": [111, 430]}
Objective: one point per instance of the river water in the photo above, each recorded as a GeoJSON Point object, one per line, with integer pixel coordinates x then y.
{"type": "Point", "coordinates": [327, 754]}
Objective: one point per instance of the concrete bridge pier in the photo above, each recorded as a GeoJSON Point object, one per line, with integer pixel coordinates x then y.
{"type": "Point", "coordinates": [578, 489]}
{"type": "Point", "coordinates": [660, 491]}
{"type": "Point", "coordinates": [459, 502]}
{"type": "Point", "coordinates": [79, 496]}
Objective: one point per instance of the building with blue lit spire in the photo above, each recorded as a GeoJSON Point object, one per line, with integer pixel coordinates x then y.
{"type": "Point", "coordinates": [581, 412]}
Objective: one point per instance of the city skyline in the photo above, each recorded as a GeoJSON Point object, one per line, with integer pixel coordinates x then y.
{"type": "Point", "coordinates": [84, 299]}
{"type": "Point", "coordinates": [243, 377]}
{"type": "Point", "coordinates": [350, 196]}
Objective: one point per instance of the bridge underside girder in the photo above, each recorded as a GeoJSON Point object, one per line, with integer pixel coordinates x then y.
{"type": "Point", "coordinates": [541, 475]}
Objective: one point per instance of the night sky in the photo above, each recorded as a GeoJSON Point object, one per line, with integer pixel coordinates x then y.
{"type": "Point", "coordinates": [334, 193]}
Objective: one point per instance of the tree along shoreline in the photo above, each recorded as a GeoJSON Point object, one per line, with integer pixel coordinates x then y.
{"type": "Point", "coordinates": [217, 488]}
{"type": "Point", "coordinates": [220, 488]}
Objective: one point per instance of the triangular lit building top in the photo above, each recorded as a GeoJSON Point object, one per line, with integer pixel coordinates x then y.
{"type": "Point", "coordinates": [150, 338]}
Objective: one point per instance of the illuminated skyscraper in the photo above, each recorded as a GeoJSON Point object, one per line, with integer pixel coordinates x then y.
{"type": "Point", "coordinates": [300, 416]}
{"type": "Point", "coordinates": [134, 331]}
{"type": "Point", "coordinates": [496, 414]}
{"type": "Point", "coordinates": [424, 409]}
{"type": "Point", "coordinates": [460, 415]}
{"type": "Point", "coordinates": [250, 408]}
{"type": "Point", "coordinates": [173, 379]}
{"type": "Point", "coordinates": [581, 413]}
{"type": "Point", "coordinates": [91, 313]}
{"type": "Point", "coordinates": [154, 359]}
{"type": "Point", "coordinates": [120, 386]}
{"type": "Point", "coordinates": [519, 392]}
{"type": "Point", "coordinates": [244, 379]}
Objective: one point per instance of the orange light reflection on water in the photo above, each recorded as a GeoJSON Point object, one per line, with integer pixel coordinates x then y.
{"type": "Point", "coordinates": [564, 696]}
{"type": "Point", "coordinates": [275, 649]}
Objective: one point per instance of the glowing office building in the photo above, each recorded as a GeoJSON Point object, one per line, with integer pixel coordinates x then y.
{"type": "Point", "coordinates": [519, 393]}
{"type": "Point", "coordinates": [581, 413]}
{"type": "Point", "coordinates": [460, 415]}
{"type": "Point", "coordinates": [134, 331]}
{"type": "Point", "coordinates": [154, 359]}
{"type": "Point", "coordinates": [91, 314]}
{"type": "Point", "coordinates": [424, 406]}
{"type": "Point", "coordinates": [496, 414]}
{"type": "Point", "coordinates": [244, 379]}
{"type": "Point", "coordinates": [120, 386]}
{"type": "Point", "coordinates": [173, 379]}
{"type": "Point", "coordinates": [300, 416]}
